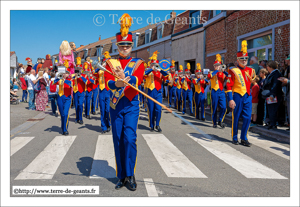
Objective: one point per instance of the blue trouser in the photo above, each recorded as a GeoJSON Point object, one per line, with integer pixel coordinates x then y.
{"type": "Point", "coordinates": [78, 102]}
{"type": "Point", "coordinates": [53, 99]}
{"type": "Point", "coordinates": [189, 95]}
{"type": "Point", "coordinates": [87, 102]}
{"type": "Point", "coordinates": [154, 110]}
{"type": "Point", "coordinates": [243, 108]}
{"type": "Point", "coordinates": [178, 99]}
{"type": "Point", "coordinates": [24, 96]}
{"type": "Point", "coordinates": [218, 98]}
{"type": "Point", "coordinates": [124, 121]}
{"type": "Point", "coordinates": [97, 104]}
{"type": "Point", "coordinates": [64, 104]}
{"type": "Point", "coordinates": [94, 99]}
{"type": "Point", "coordinates": [31, 99]}
{"type": "Point", "coordinates": [172, 92]}
{"type": "Point", "coordinates": [199, 99]}
{"type": "Point", "coordinates": [104, 100]}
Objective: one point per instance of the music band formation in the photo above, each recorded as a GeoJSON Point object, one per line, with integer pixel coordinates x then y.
{"type": "Point", "coordinates": [105, 84]}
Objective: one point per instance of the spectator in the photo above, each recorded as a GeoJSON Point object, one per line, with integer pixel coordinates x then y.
{"type": "Point", "coordinates": [53, 94]}
{"type": "Point", "coordinates": [282, 68]}
{"type": "Point", "coordinates": [261, 107]}
{"type": "Point", "coordinates": [22, 71]}
{"type": "Point", "coordinates": [254, 92]}
{"type": "Point", "coordinates": [262, 64]}
{"type": "Point", "coordinates": [254, 64]}
{"type": "Point", "coordinates": [24, 88]}
{"type": "Point", "coordinates": [31, 81]}
{"type": "Point", "coordinates": [15, 87]}
{"type": "Point", "coordinates": [274, 86]}
{"type": "Point", "coordinates": [286, 82]}
{"type": "Point", "coordinates": [75, 53]}
{"type": "Point", "coordinates": [46, 77]}
{"type": "Point", "coordinates": [42, 97]}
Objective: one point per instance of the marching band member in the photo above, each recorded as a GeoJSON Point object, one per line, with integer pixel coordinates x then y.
{"type": "Point", "coordinates": [155, 91]}
{"type": "Point", "coordinates": [88, 94]}
{"type": "Point", "coordinates": [104, 97]}
{"type": "Point", "coordinates": [95, 94]}
{"type": "Point", "coordinates": [124, 104]}
{"type": "Point", "coordinates": [87, 65]}
{"type": "Point", "coordinates": [64, 99]}
{"type": "Point", "coordinates": [79, 86]}
{"type": "Point", "coordinates": [239, 95]}
{"type": "Point", "coordinates": [172, 85]}
{"type": "Point", "coordinates": [218, 96]}
{"type": "Point", "coordinates": [78, 62]}
{"type": "Point", "coordinates": [147, 81]}
{"type": "Point", "coordinates": [29, 65]}
{"type": "Point", "coordinates": [141, 87]}
{"type": "Point", "coordinates": [199, 96]}
{"type": "Point", "coordinates": [178, 88]}
{"type": "Point", "coordinates": [186, 85]}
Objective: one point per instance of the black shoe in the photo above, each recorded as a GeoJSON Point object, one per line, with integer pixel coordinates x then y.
{"type": "Point", "coordinates": [203, 119]}
{"type": "Point", "coordinates": [222, 125]}
{"type": "Point", "coordinates": [245, 143]}
{"type": "Point", "coordinates": [152, 129]}
{"type": "Point", "coordinates": [235, 142]}
{"type": "Point", "coordinates": [271, 127]}
{"type": "Point", "coordinates": [158, 129]}
{"type": "Point", "coordinates": [66, 133]}
{"type": "Point", "coordinates": [76, 121]}
{"type": "Point", "coordinates": [94, 113]}
{"type": "Point", "coordinates": [120, 183]}
{"type": "Point", "coordinates": [102, 131]}
{"type": "Point", "coordinates": [88, 116]}
{"type": "Point", "coordinates": [131, 183]}
{"type": "Point", "coordinates": [56, 114]}
{"type": "Point", "coordinates": [108, 129]}
{"type": "Point", "coordinates": [215, 126]}
{"type": "Point", "coordinates": [80, 122]}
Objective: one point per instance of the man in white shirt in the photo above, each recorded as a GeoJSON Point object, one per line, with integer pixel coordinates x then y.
{"type": "Point", "coordinates": [31, 81]}
{"type": "Point", "coordinates": [46, 77]}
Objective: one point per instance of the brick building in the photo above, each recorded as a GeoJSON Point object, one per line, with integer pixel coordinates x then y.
{"type": "Point", "coordinates": [266, 31]}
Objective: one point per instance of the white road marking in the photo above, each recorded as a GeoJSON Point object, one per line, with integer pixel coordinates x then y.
{"type": "Point", "coordinates": [150, 187]}
{"type": "Point", "coordinates": [239, 161]}
{"type": "Point", "coordinates": [270, 146]}
{"type": "Point", "coordinates": [46, 163]}
{"type": "Point", "coordinates": [104, 163]}
{"type": "Point", "coordinates": [17, 143]}
{"type": "Point", "coordinates": [170, 158]}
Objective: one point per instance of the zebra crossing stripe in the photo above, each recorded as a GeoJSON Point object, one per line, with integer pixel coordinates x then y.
{"type": "Point", "coordinates": [171, 159]}
{"type": "Point", "coordinates": [104, 164]}
{"type": "Point", "coordinates": [239, 161]}
{"type": "Point", "coordinates": [271, 146]}
{"type": "Point", "coordinates": [17, 143]}
{"type": "Point", "coordinates": [150, 187]}
{"type": "Point", "coordinates": [46, 163]}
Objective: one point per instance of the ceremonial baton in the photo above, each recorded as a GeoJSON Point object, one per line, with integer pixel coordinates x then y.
{"type": "Point", "coordinates": [128, 84]}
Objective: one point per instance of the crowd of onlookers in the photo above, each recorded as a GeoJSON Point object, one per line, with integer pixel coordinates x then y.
{"type": "Point", "coordinates": [37, 88]}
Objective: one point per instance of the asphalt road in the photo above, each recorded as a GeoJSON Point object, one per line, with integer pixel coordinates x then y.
{"type": "Point", "coordinates": [180, 161]}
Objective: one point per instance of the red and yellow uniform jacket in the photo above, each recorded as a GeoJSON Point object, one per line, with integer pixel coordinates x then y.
{"type": "Point", "coordinates": [239, 81]}
{"type": "Point", "coordinates": [217, 80]}
{"type": "Point", "coordinates": [186, 83]}
{"type": "Point", "coordinates": [100, 79]}
{"type": "Point", "coordinates": [136, 77]}
{"type": "Point", "coordinates": [155, 79]}
{"type": "Point", "coordinates": [79, 84]}
{"type": "Point", "coordinates": [178, 82]}
{"type": "Point", "coordinates": [199, 85]}
{"type": "Point", "coordinates": [170, 77]}
{"type": "Point", "coordinates": [65, 87]}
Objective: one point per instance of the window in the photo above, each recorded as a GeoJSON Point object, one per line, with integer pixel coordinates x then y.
{"type": "Point", "coordinates": [114, 46]}
{"type": "Point", "coordinates": [148, 35]}
{"type": "Point", "coordinates": [216, 12]}
{"type": "Point", "coordinates": [261, 47]}
{"type": "Point", "coordinates": [195, 18]}
{"type": "Point", "coordinates": [160, 29]}
{"type": "Point", "coordinates": [159, 33]}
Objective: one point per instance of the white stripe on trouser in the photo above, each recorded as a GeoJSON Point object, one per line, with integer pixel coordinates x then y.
{"type": "Point", "coordinates": [46, 163]}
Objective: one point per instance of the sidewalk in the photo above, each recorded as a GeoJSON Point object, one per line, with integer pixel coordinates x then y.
{"type": "Point", "coordinates": [279, 134]}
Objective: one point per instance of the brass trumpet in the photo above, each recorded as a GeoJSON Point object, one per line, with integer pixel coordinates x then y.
{"type": "Point", "coordinates": [60, 75]}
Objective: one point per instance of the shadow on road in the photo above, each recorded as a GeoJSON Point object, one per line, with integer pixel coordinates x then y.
{"type": "Point", "coordinates": [95, 128]}
{"type": "Point", "coordinates": [53, 129]}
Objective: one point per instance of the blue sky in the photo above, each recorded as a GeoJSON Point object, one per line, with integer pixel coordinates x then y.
{"type": "Point", "coordinates": [36, 33]}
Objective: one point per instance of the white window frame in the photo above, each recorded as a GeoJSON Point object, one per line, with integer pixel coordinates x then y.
{"type": "Point", "coordinates": [135, 39]}
{"type": "Point", "coordinates": [158, 27]}
{"type": "Point", "coordinates": [148, 31]}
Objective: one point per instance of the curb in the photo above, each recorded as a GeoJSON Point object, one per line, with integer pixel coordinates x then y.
{"type": "Point", "coordinates": [279, 136]}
